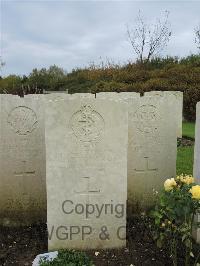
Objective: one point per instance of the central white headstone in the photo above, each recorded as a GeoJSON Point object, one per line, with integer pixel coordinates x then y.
{"type": "Point", "coordinates": [86, 147]}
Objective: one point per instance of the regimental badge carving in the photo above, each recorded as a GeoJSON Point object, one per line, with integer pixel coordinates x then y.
{"type": "Point", "coordinates": [22, 120]}
{"type": "Point", "coordinates": [147, 116]}
{"type": "Point", "coordinates": [87, 124]}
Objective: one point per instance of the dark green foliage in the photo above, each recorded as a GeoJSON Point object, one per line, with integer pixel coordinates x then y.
{"type": "Point", "coordinates": [168, 73]}
{"type": "Point", "coordinates": [37, 81]}
{"type": "Point", "coordinates": [68, 258]}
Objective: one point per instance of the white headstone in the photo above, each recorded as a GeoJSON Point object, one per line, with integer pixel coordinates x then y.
{"type": "Point", "coordinates": [86, 147]}
{"type": "Point", "coordinates": [177, 98]}
{"type": "Point", "coordinates": [83, 95]}
{"type": "Point", "coordinates": [116, 95]}
{"type": "Point", "coordinates": [196, 167]}
{"type": "Point", "coordinates": [151, 149]}
{"type": "Point", "coordinates": [128, 95]}
{"type": "Point", "coordinates": [108, 95]}
{"type": "Point", "coordinates": [22, 161]}
{"type": "Point", "coordinates": [196, 170]}
{"type": "Point", "coordinates": [57, 96]}
{"type": "Point", "coordinates": [63, 96]}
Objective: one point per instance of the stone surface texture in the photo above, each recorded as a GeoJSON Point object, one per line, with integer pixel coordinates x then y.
{"type": "Point", "coordinates": [22, 161]}
{"type": "Point", "coordinates": [152, 149]}
{"type": "Point", "coordinates": [196, 167]}
{"type": "Point", "coordinates": [116, 95]}
{"type": "Point", "coordinates": [83, 95]}
{"type": "Point", "coordinates": [177, 98]}
{"type": "Point", "coordinates": [86, 147]}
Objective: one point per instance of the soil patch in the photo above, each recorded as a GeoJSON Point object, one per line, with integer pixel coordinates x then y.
{"type": "Point", "coordinates": [19, 247]}
{"type": "Point", "coordinates": [185, 142]}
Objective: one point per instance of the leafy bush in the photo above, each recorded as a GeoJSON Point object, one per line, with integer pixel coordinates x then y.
{"type": "Point", "coordinates": [68, 258]}
{"type": "Point", "coordinates": [170, 73]}
{"type": "Point", "coordinates": [174, 215]}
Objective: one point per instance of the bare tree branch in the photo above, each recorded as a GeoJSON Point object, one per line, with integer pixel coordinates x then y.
{"type": "Point", "coordinates": [2, 64]}
{"type": "Point", "coordinates": [149, 40]}
{"type": "Point", "coordinates": [197, 36]}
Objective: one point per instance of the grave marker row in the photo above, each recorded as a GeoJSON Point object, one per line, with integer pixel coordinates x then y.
{"type": "Point", "coordinates": [88, 142]}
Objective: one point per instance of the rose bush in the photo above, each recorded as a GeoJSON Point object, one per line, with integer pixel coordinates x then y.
{"type": "Point", "coordinates": [174, 213]}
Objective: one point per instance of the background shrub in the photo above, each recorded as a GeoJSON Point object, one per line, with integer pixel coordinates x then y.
{"type": "Point", "coordinates": [170, 73]}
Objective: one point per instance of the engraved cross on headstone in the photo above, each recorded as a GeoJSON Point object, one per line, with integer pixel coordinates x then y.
{"type": "Point", "coordinates": [23, 172]}
{"type": "Point", "coordinates": [23, 167]}
{"type": "Point", "coordinates": [147, 168]}
{"type": "Point", "coordinates": [87, 190]}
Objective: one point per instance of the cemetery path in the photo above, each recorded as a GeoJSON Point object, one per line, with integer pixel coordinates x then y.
{"type": "Point", "coordinates": [20, 246]}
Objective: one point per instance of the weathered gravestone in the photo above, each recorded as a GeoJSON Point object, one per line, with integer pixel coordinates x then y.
{"type": "Point", "coordinates": [61, 96]}
{"type": "Point", "coordinates": [196, 167]}
{"type": "Point", "coordinates": [86, 147]}
{"type": "Point", "coordinates": [151, 145]}
{"type": "Point", "coordinates": [128, 95]}
{"type": "Point", "coordinates": [196, 170]}
{"type": "Point", "coordinates": [151, 149]}
{"type": "Point", "coordinates": [22, 161]}
{"type": "Point", "coordinates": [117, 96]}
{"type": "Point", "coordinates": [58, 96]}
{"type": "Point", "coordinates": [177, 98]}
{"type": "Point", "coordinates": [83, 95]}
{"type": "Point", "coordinates": [107, 95]}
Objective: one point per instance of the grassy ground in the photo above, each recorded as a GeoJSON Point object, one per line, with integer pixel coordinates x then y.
{"type": "Point", "coordinates": [185, 155]}
{"type": "Point", "coordinates": [184, 163]}
{"type": "Point", "coordinates": [189, 129]}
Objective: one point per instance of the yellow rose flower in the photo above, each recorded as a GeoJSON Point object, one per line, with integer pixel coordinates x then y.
{"type": "Point", "coordinates": [170, 184]}
{"type": "Point", "coordinates": [195, 191]}
{"type": "Point", "coordinates": [187, 179]}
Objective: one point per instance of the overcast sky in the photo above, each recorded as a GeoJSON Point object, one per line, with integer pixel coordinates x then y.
{"type": "Point", "coordinates": [36, 34]}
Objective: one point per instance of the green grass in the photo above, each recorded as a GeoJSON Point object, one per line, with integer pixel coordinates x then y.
{"type": "Point", "coordinates": [189, 129]}
{"type": "Point", "coordinates": [185, 155]}
{"type": "Point", "coordinates": [184, 163]}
